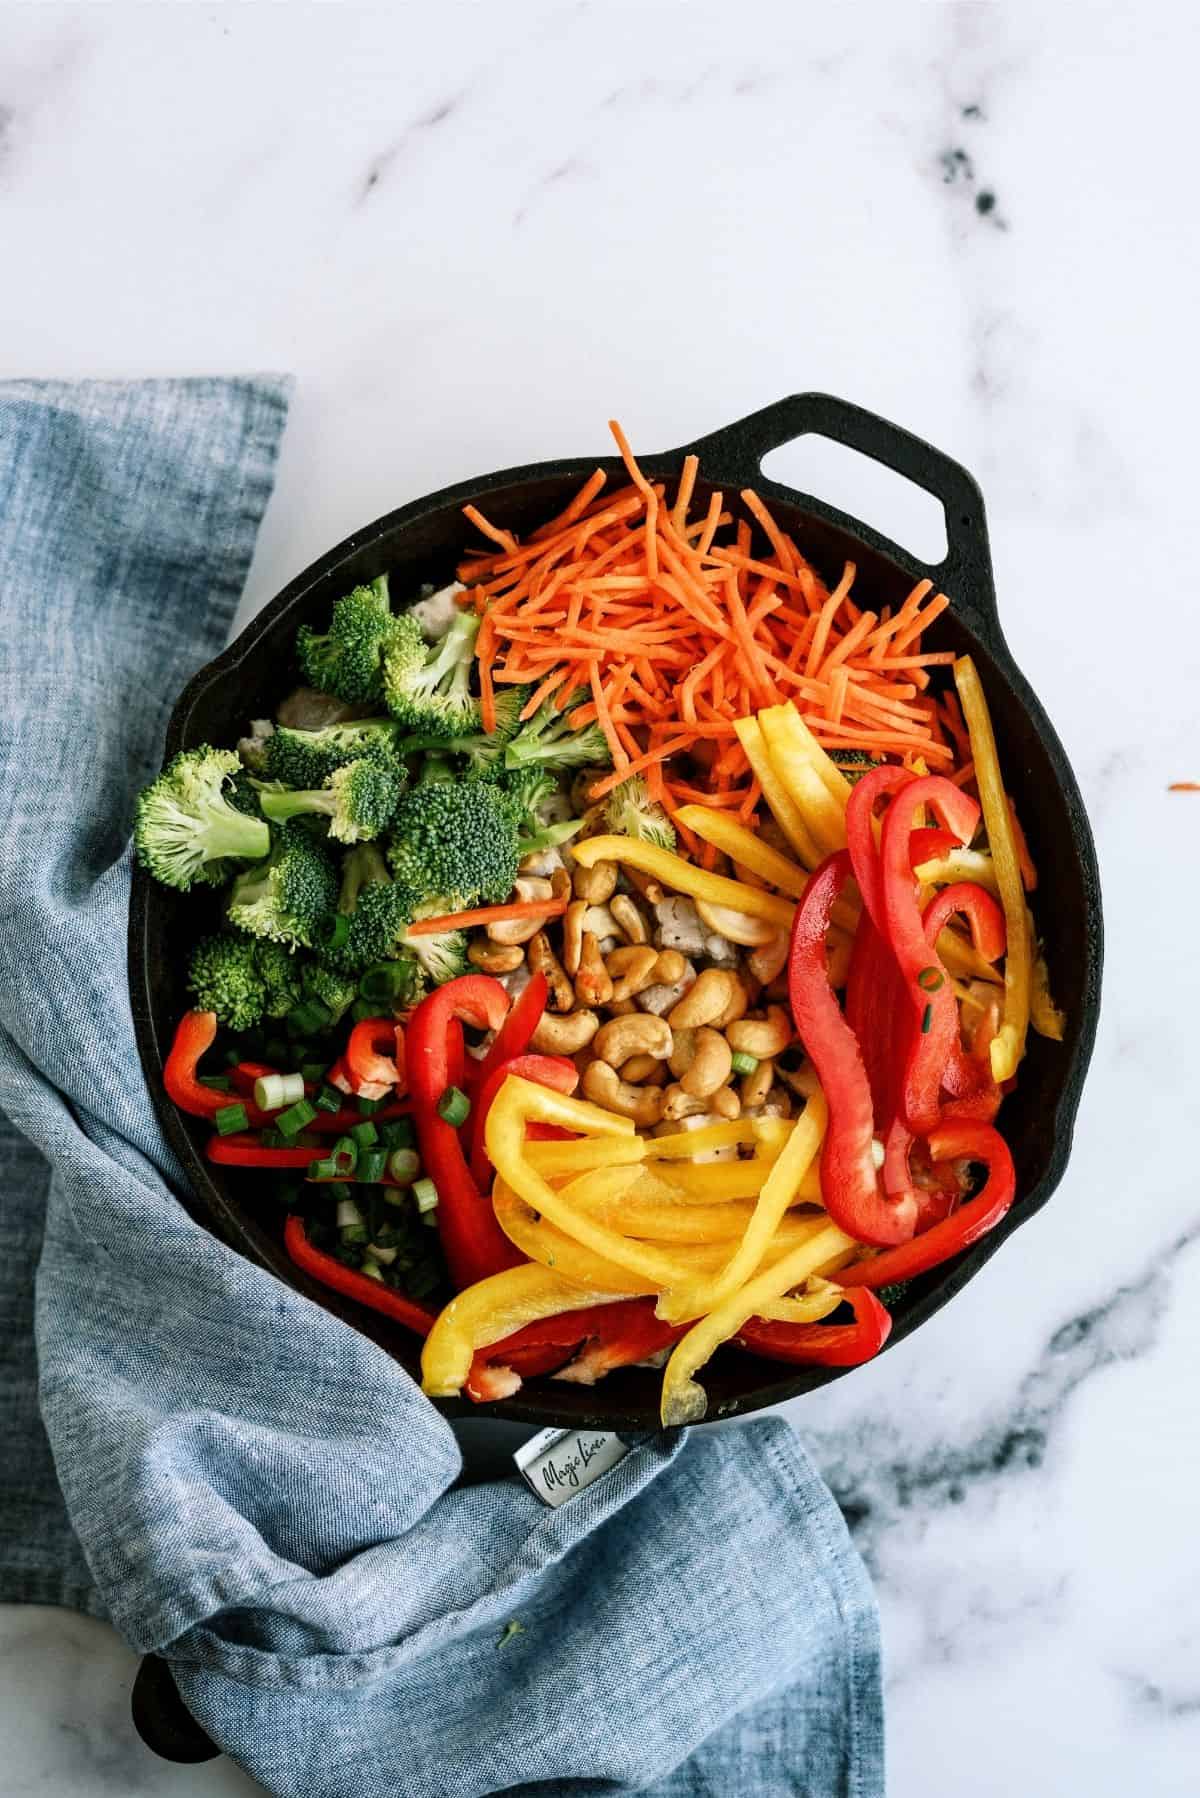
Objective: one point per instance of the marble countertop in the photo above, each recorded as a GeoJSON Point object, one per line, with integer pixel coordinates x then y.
{"type": "Point", "coordinates": [473, 233]}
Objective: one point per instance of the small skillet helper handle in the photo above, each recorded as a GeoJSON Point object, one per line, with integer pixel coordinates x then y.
{"type": "Point", "coordinates": [734, 455]}
{"type": "Point", "coordinates": [163, 1720]}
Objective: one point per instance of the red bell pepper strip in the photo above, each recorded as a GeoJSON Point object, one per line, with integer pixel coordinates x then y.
{"type": "Point", "coordinates": [244, 1150]}
{"type": "Point", "coordinates": [874, 1001]}
{"type": "Point", "coordinates": [849, 1185]}
{"type": "Point", "coordinates": [515, 1033]}
{"type": "Point", "coordinates": [352, 1284]}
{"type": "Point", "coordinates": [969, 1077]}
{"type": "Point", "coordinates": [556, 1071]}
{"type": "Point", "coordinates": [243, 1076]}
{"type": "Point", "coordinates": [860, 834]}
{"type": "Point", "coordinates": [590, 1343]}
{"type": "Point", "coordinates": [950, 1142]}
{"type": "Point", "coordinates": [374, 1053]}
{"type": "Point", "coordinates": [194, 1037]}
{"type": "Point", "coordinates": [822, 1345]}
{"type": "Point", "coordinates": [472, 1241]}
{"type": "Point", "coordinates": [929, 996]}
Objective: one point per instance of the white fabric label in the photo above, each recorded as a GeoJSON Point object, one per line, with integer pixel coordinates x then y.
{"type": "Point", "coordinates": [556, 1464]}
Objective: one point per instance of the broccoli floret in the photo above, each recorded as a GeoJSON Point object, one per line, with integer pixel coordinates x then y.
{"type": "Point", "coordinates": [285, 897]}
{"type": "Point", "coordinates": [854, 763]}
{"type": "Point", "coordinates": [439, 958]}
{"type": "Point", "coordinates": [243, 794]}
{"type": "Point", "coordinates": [282, 977]}
{"type": "Point", "coordinates": [629, 811]}
{"type": "Point", "coordinates": [223, 976]}
{"type": "Point", "coordinates": [548, 739]}
{"type": "Point", "coordinates": [358, 799]}
{"type": "Point", "coordinates": [428, 689]}
{"type": "Point", "coordinates": [530, 790]}
{"type": "Point", "coordinates": [305, 759]}
{"type": "Point", "coordinates": [372, 911]}
{"type": "Point", "coordinates": [455, 846]}
{"type": "Point", "coordinates": [347, 660]}
{"type": "Point", "coordinates": [185, 828]}
{"type": "Point", "coordinates": [484, 750]}
{"type": "Point", "coordinates": [334, 990]}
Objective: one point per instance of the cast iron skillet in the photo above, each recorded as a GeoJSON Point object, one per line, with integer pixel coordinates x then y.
{"type": "Point", "coordinates": [422, 542]}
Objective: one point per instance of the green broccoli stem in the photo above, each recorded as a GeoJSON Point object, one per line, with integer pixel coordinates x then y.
{"type": "Point", "coordinates": [281, 806]}
{"type": "Point", "coordinates": [227, 832]}
{"type": "Point", "coordinates": [549, 837]}
{"type": "Point", "coordinates": [364, 866]}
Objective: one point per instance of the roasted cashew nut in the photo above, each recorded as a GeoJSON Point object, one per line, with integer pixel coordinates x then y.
{"type": "Point", "coordinates": [632, 969]}
{"type": "Point", "coordinates": [640, 1033]}
{"type": "Point", "coordinates": [736, 926]}
{"type": "Point", "coordinates": [604, 1086]}
{"type": "Point", "coordinates": [766, 962]}
{"type": "Point", "coordinates": [573, 935]}
{"type": "Point", "coordinates": [757, 1085]}
{"type": "Point", "coordinates": [670, 968]}
{"type": "Point", "coordinates": [738, 1006]}
{"type": "Point", "coordinates": [763, 1037]}
{"type": "Point", "coordinates": [726, 1103]}
{"type": "Point", "coordinates": [629, 919]}
{"type": "Point", "coordinates": [641, 1068]}
{"type": "Point", "coordinates": [596, 885]}
{"type": "Point", "coordinates": [593, 982]}
{"type": "Point", "coordinates": [710, 1066]}
{"type": "Point", "coordinates": [564, 1036]}
{"type": "Point", "coordinates": [705, 1000]}
{"type": "Point", "coordinates": [495, 958]}
{"type": "Point", "coordinates": [542, 960]}
{"type": "Point", "coordinates": [519, 930]}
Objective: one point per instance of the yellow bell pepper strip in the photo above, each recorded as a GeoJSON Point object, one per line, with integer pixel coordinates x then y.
{"type": "Point", "coordinates": [818, 1298]}
{"type": "Point", "coordinates": [778, 1193]}
{"type": "Point", "coordinates": [541, 1105]}
{"type": "Point", "coordinates": [784, 810]}
{"type": "Point", "coordinates": [683, 1401]}
{"type": "Point", "coordinates": [552, 1247]}
{"type": "Point", "coordinates": [744, 846]}
{"type": "Point", "coordinates": [684, 1145]}
{"type": "Point", "coordinates": [1044, 1014]}
{"type": "Point", "coordinates": [684, 877]}
{"type": "Point", "coordinates": [834, 781]}
{"type": "Point", "coordinates": [516, 1104]}
{"type": "Point", "coordinates": [584, 1153]}
{"type": "Point", "coordinates": [652, 1213]}
{"type": "Point", "coordinates": [1008, 1044]}
{"type": "Point", "coordinates": [490, 1310]}
{"type": "Point", "coordinates": [786, 745]}
{"type": "Point", "coordinates": [960, 864]}
{"type": "Point", "coordinates": [727, 1180]}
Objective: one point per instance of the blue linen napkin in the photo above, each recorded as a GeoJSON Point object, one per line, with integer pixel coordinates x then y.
{"type": "Point", "coordinates": [243, 1483]}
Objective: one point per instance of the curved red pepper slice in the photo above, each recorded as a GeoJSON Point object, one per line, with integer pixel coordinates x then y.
{"type": "Point", "coordinates": [515, 1033]}
{"type": "Point", "coordinates": [241, 1149]}
{"type": "Point", "coordinates": [194, 1037]}
{"type": "Point", "coordinates": [849, 1185]}
{"type": "Point", "coordinates": [823, 1345]}
{"type": "Point", "coordinates": [591, 1342]}
{"type": "Point", "coordinates": [929, 995]}
{"type": "Point", "coordinates": [370, 1056]}
{"type": "Point", "coordinates": [969, 1078]}
{"type": "Point", "coordinates": [950, 1142]}
{"type": "Point", "coordinates": [874, 1002]}
{"type": "Point", "coordinates": [860, 835]}
{"type": "Point", "coordinates": [351, 1284]}
{"type": "Point", "coordinates": [556, 1071]}
{"type": "Point", "coordinates": [472, 1241]}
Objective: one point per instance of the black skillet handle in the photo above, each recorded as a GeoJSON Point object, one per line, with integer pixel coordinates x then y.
{"type": "Point", "coordinates": [735, 454]}
{"type": "Point", "coordinates": [163, 1720]}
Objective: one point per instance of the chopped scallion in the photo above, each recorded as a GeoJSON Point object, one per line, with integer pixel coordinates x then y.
{"type": "Point", "coordinates": [273, 1091]}
{"type": "Point", "coordinates": [404, 1165]}
{"type": "Point", "coordinates": [230, 1119]}
{"type": "Point", "coordinates": [293, 1120]}
{"type": "Point", "coordinates": [454, 1107]}
{"type": "Point", "coordinates": [364, 1134]}
{"type": "Point", "coordinates": [371, 1165]}
{"type": "Point", "coordinates": [426, 1195]}
{"type": "Point", "coordinates": [742, 1063]}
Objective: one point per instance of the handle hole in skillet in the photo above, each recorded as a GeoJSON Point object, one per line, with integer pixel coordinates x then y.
{"type": "Point", "coordinates": [864, 488]}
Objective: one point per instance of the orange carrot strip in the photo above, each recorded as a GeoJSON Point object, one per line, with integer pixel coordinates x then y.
{"type": "Point", "coordinates": [816, 648]}
{"type": "Point", "coordinates": [505, 539]}
{"type": "Point", "coordinates": [488, 914]}
{"type": "Point", "coordinates": [779, 542]}
{"type": "Point", "coordinates": [577, 507]}
{"type": "Point", "coordinates": [683, 495]}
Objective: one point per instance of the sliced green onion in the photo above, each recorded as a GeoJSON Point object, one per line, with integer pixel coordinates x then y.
{"type": "Point", "coordinates": [426, 1195]}
{"type": "Point", "coordinates": [273, 1091]}
{"type": "Point", "coordinates": [231, 1118]}
{"type": "Point", "coordinates": [454, 1107]}
{"type": "Point", "coordinates": [371, 1165]}
{"type": "Point", "coordinates": [404, 1165]}
{"type": "Point", "coordinates": [331, 932]}
{"type": "Point", "coordinates": [368, 1107]}
{"type": "Point", "coordinates": [348, 1213]}
{"type": "Point", "coordinates": [398, 1199]}
{"type": "Point", "coordinates": [308, 1018]}
{"type": "Point", "coordinates": [314, 1072]}
{"type": "Point", "coordinates": [338, 1190]}
{"type": "Point", "coordinates": [397, 1133]}
{"type": "Point", "coordinates": [927, 1020]}
{"type": "Point", "coordinates": [217, 1083]}
{"type": "Point", "coordinates": [355, 1233]}
{"type": "Point", "coordinates": [930, 979]}
{"type": "Point", "coordinates": [384, 982]}
{"type": "Point", "coordinates": [429, 1218]}
{"type": "Point", "coordinates": [330, 1099]}
{"type": "Point", "coordinates": [327, 1169]}
{"type": "Point", "coordinates": [371, 1269]}
{"type": "Point", "coordinates": [382, 1254]}
{"type": "Point", "coordinates": [364, 1134]}
{"type": "Point", "coordinates": [345, 1153]}
{"type": "Point", "coordinates": [294, 1119]}
{"type": "Point", "coordinates": [741, 1063]}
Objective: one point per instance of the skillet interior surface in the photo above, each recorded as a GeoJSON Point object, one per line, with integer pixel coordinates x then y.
{"type": "Point", "coordinates": [423, 542]}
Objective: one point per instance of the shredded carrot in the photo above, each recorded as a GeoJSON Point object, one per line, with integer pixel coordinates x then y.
{"type": "Point", "coordinates": [665, 628]}
{"type": "Point", "coordinates": [1184, 786]}
{"type": "Point", "coordinates": [488, 914]}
